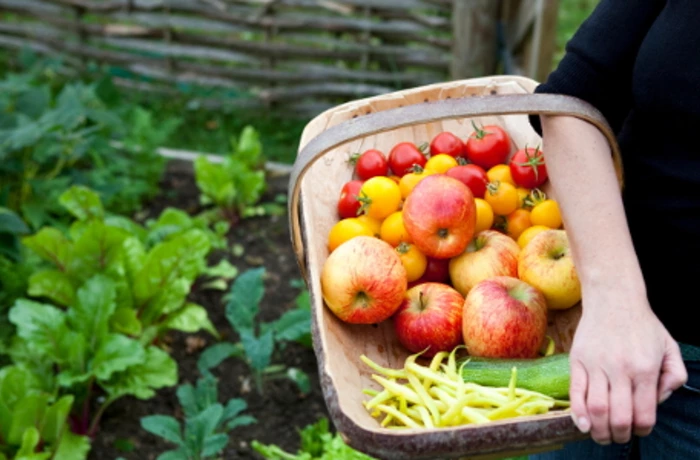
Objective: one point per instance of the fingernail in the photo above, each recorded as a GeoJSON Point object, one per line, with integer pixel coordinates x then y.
{"type": "Point", "coordinates": [581, 423]}
{"type": "Point", "coordinates": [604, 443]}
{"type": "Point", "coordinates": [665, 396]}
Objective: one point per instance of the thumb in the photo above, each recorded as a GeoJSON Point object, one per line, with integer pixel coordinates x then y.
{"type": "Point", "coordinates": [673, 373]}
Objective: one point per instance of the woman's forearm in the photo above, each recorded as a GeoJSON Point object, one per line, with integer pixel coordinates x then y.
{"type": "Point", "coordinates": [585, 185]}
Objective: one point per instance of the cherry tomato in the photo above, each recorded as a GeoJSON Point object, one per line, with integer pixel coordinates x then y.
{"type": "Point", "coordinates": [404, 156]}
{"type": "Point", "coordinates": [546, 213]}
{"type": "Point", "coordinates": [530, 233]}
{"type": "Point", "coordinates": [447, 143]}
{"type": "Point", "coordinates": [436, 270]}
{"type": "Point", "coordinates": [527, 168]}
{"type": "Point", "coordinates": [370, 222]}
{"type": "Point", "coordinates": [441, 163]}
{"type": "Point", "coordinates": [393, 231]}
{"type": "Point", "coordinates": [348, 204]}
{"type": "Point", "coordinates": [484, 215]}
{"type": "Point", "coordinates": [380, 196]}
{"type": "Point", "coordinates": [500, 173]}
{"type": "Point", "coordinates": [502, 197]}
{"type": "Point", "coordinates": [345, 229]}
{"type": "Point", "coordinates": [487, 146]}
{"type": "Point", "coordinates": [370, 163]}
{"type": "Point", "coordinates": [413, 261]}
{"type": "Point", "coordinates": [409, 181]}
{"type": "Point", "coordinates": [472, 176]}
{"type": "Point", "coordinates": [524, 198]}
{"type": "Point", "coordinates": [517, 222]}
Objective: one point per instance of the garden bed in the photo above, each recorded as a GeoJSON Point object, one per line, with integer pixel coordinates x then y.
{"type": "Point", "coordinates": [282, 410]}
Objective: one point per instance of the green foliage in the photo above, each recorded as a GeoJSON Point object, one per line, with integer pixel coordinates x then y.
{"type": "Point", "coordinates": [258, 340]}
{"type": "Point", "coordinates": [207, 422]}
{"type": "Point", "coordinates": [317, 442]}
{"type": "Point", "coordinates": [76, 133]}
{"type": "Point", "coordinates": [236, 186]}
{"type": "Point", "coordinates": [33, 422]}
{"type": "Point", "coordinates": [102, 294]}
{"type": "Point", "coordinates": [571, 14]}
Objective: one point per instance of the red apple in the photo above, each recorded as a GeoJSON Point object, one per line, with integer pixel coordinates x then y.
{"type": "Point", "coordinates": [546, 263]}
{"type": "Point", "coordinates": [440, 215]}
{"type": "Point", "coordinates": [430, 317]}
{"type": "Point", "coordinates": [504, 317]}
{"type": "Point", "coordinates": [363, 280]}
{"type": "Point", "coordinates": [490, 253]}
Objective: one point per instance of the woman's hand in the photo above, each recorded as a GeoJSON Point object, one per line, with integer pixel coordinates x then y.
{"type": "Point", "coordinates": [623, 360]}
{"type": "Point", "coordinates": [623, 363]}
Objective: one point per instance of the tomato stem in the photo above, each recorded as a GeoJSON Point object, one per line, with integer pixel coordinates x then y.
{"type": "Point", "coordinates": [480, 133]}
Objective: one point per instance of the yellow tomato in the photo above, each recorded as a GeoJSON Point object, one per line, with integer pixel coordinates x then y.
{"type": "Point", "coordinates": [346, 229]}
{"type": "Point", "coordinates": [500, 173]}
{"type": "Point", "coordinates": [373, 224]}
{"type": "Point", "coordinates": [529, 234]}
{"type": "Point", "coordinates": [502, 197]}
{"type": "Point", "coordinates": [484, 215]}
{"type": "Point", "coordinates": [546, 213]}
{"type": "Point", "coordinates": [393, 231]}
{"type": "Point", "coordinates": [380, 196]}
{"type": "Point", "coordinates": [523, 194]}
{"type": "Point", "coordinates": [414, 261]}
{"type": "Point", "coordinates": [517, 222]}
{"type": "Point", "coordinates": [440, 163]}
{"type": "Point", "coordinates": [409, 181]}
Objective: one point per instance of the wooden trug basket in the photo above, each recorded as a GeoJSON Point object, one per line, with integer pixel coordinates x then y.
{"type": "Point", "coordinates": [320, 171]}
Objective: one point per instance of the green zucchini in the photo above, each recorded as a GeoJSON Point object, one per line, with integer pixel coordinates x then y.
{"type": "Point", "coordinates": [549, 375]}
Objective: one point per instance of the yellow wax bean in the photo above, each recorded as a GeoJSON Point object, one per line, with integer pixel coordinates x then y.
{"type": "Point", "coordinates": [404, 419]}
{"type": "Point", "coordinates": [395, 373]}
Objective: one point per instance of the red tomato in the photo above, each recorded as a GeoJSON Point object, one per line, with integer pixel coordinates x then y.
{"type": "Point", "coordinates": [437, 270]}
{"type": "Point", "coordinates": [348, 205]}
{"type": "Point", "coordinates": [369, 164]}
{"type": "Point", "coordinates": [404, 156]}
{"type": "Point", "coordinates": [472, 176]}
{"type": "Point", "coordinates": [488, 146]}
{"type": "Point", "coordinates": [527, 168]}
{"type": "Point", "coordinates": [448, 143]}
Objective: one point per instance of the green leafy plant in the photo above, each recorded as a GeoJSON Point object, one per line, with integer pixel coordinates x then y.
{"type": "Point", "coordinates": [235, 187]}
{"type": "Point", "coordinates": [52, 136]}
{"type": "Point", "coordinates": [96, 307]}
{"type": "Point", "coordinates": [317, 442]}
{"type": "Point", "coordinates": [204, 433]}
{"type": "Point", "coordinates": [33, 422]}
{"type": "Point", "coordinates": [258, 340]}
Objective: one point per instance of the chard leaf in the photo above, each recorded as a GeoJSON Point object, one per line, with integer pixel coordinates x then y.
{"type": "Point", "coordinates": [82, 203]}
{"type": "Point", "coordinates": [52, 284]}
{"type": "Point", "coordinates": [92, 311]}
{"type": "Point", "coordinates": [51, 245]}
{"type": "Point", "coordinates": [74, 351]}
{"type": "Point", "coordinates": [134, 256]}
{"type": "Point", "coordinates": [98, 250]}
{"type": "Point", "coordinates": [164, 426]}
{"type": "Point", "coordinates": [214, 182]}
{"type": "Point", "coordinates": [244, 299]}
{"type": "Point", "coordinates": [249, 147]}
{"type": "Point", "coordinates": [115, 354]}
{"type": "Point", "coordinates": [43, 326]}
{"type": "Point", "coordinates": [15, 383]}
{"type": "Point", "coordinates": [54, 420]}
{"type": "Point", "coordinates": [27, 450]}
{"type": "Point", "coordinates": [28, 413]}
{"type": "Point", "coordinates": [157, 371]}
{"type": "Point", "coordinates": [191, 318]}
{"type": "Point", "coordinates": [171, 297]}
{"type": "Point", "coordinates": [224, 269]}
{"type": "Point", "coordinates": [72, 447]}
{"type": "Point", "coordinates": [124, 320]}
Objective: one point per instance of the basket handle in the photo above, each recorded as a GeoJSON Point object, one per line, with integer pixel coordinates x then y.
{"type": "Point", "coordinates": [465, 107]}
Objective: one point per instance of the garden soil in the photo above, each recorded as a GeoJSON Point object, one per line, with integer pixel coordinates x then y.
{"type": "Point", "coordinates": [281, 410]}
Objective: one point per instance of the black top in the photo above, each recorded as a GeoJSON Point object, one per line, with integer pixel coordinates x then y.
{"type": "Point", "coordinates": [638, 62]}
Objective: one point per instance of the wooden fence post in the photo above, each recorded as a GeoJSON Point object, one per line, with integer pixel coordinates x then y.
{"type": "Point", "coordinates": [474, 30]}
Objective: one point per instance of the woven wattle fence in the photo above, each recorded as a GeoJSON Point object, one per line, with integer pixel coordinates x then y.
{"type": "Point", "coordinates": [302, 55]}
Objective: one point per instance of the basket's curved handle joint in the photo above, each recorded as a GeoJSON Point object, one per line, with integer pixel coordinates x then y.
{"type": "Point", "coordinates": [466, 107]}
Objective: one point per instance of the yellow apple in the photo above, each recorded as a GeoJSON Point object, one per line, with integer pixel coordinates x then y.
{"type": "Point", "coordinates": [547, 264]}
